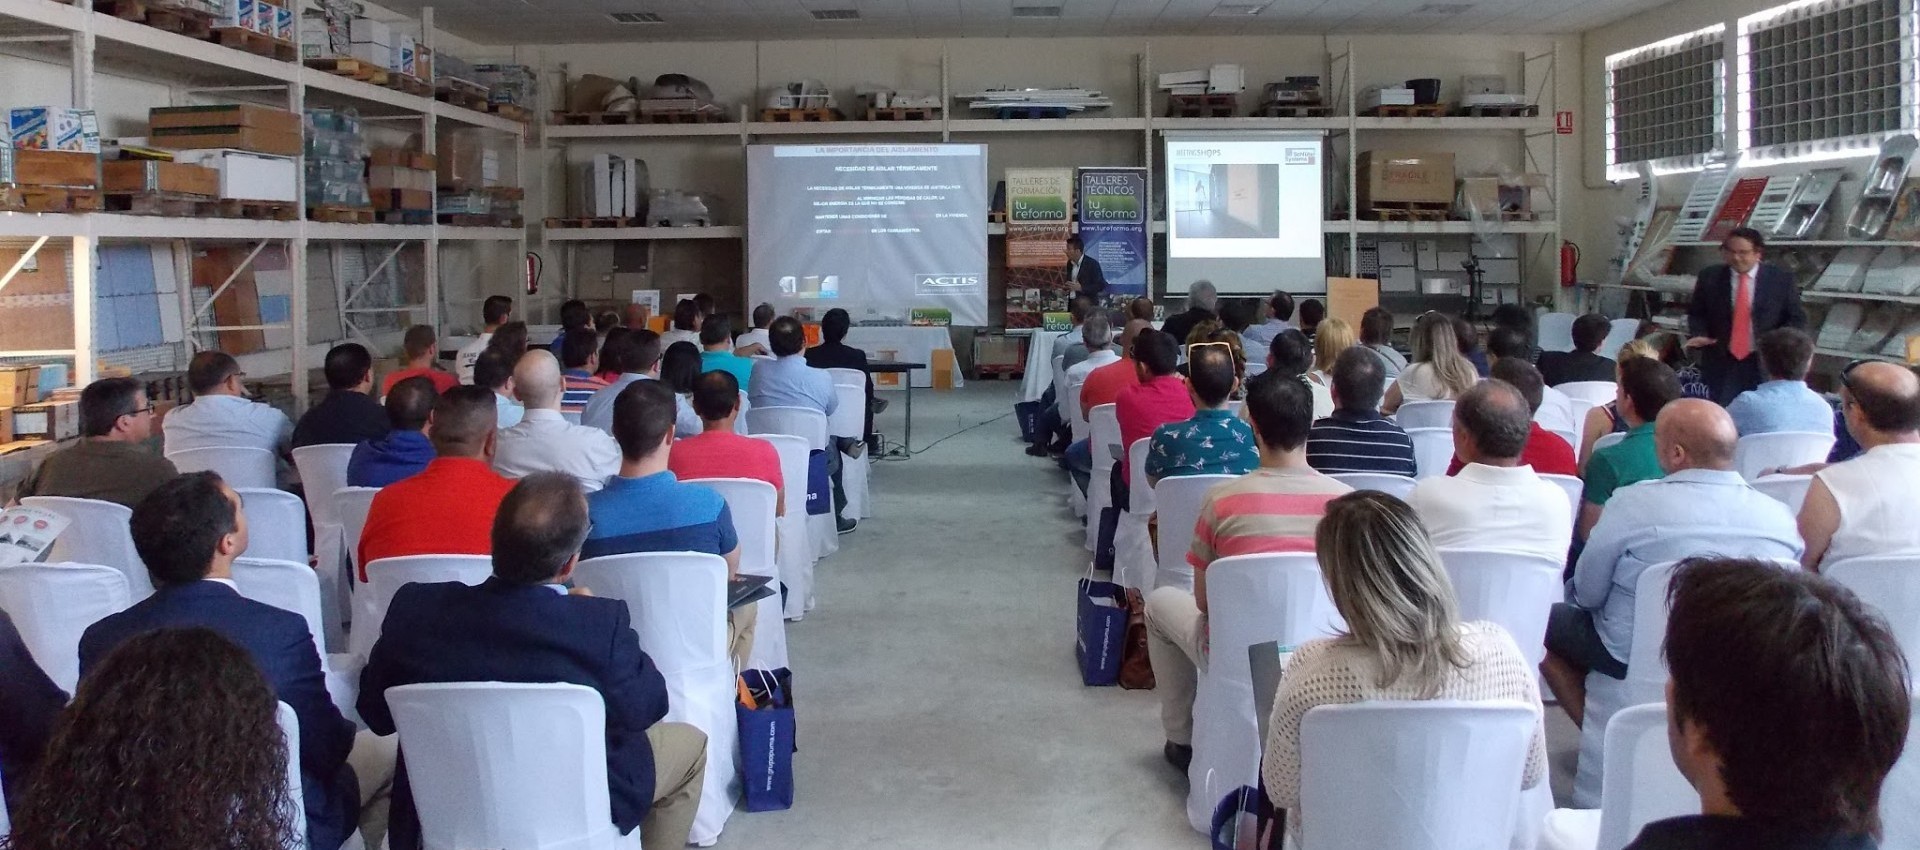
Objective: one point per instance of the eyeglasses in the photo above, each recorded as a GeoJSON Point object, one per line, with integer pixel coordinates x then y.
{"type": "Point", "coordinates": [139, 410]}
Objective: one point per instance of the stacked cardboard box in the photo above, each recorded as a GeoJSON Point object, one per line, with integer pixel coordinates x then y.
{"type": "Point", "coordinates": [401, 179]}
{"type": "Point", "coordinates": [54, 128]}
{"type": "Point", "coordinates": [49, 160]}
{"type": "Point", "coordinates": [244, 127]}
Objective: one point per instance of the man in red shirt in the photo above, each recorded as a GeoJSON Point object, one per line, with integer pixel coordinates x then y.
{"type": "Point", "coordinates": [717, 451]}
{"type": "Point", "coordinates": [1547, 452]}
{"type": "Point", "coordinates": [448, 508]}
{"type": "Point", "coordinates": [420, 346]}
{"type": "Point", "coordinates": [1103, 385]}
{"type": "Point", "coordinates": [1159, 397]}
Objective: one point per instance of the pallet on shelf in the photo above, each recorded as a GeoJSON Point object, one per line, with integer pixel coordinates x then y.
{"type": "Point", "coordinates": [348, 67]}
{"type": "Point", "coordinates": [403, 216]}
{"type": "Point", "coordinates": [192, 23]}
{"type": "Point", "coordinates": [171, 204]}
{"type": "Point", "coordinates": [478, 220]}
{"type": "Point", "coordinates": [259, 210]}
{"type": "Point", "coordinates": [408, 84]}
{"type": "Point", "coordinates": [1290, 110]}
{"type": "Point", "coordinates": [511, 112]}
{"type": "Point", "coordinates": [1423, 110]}
{"type": "Point", "coordinates": [904, 113]}
{"type": "Point", "coordinates": [1409, 211]}
{"type": "Point", "coordinates": [564, 118]}
{"type": "Point", "coordinates": [615, 221]}
{"type": "Point", "coordinates": [682, 118]}
{"type": "Point", "coordinates": [241, 38]}
{"type": "Point", "coordinates": [1202, 105]}
{"type": "Point", "coordinates": [1021, 113]}
{"type": "Point", "coordinates": [797, 116]}
{"type": "Point", "coordinates": [1507, 111]}
{"type": "Point", "coordinates": [56, 199]}
{"type": "Point", "coordinates": [462, 98]}
{"type": "Point", "coordinates": [340, 214]}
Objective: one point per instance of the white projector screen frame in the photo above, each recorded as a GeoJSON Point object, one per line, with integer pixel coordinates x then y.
{"type": "Point", "coordinates": [1246, 210]}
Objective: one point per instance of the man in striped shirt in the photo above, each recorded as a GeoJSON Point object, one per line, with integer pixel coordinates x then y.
{"type": "Point", "coordinates": [1274, 508]}
{"type": "Point", "coordinates": [1356, 438]}
{"type": "Point", "coordinates": [579, 359]}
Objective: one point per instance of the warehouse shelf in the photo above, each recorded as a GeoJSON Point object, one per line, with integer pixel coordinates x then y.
{"type": "Point", "coordinates": [1047, 125]}
{"type": "Point", "coordinates": [1858, 355]}
{"type": "Point", "coordinates": [1814, 243]}
{"type": "Point", "coordinates": [623, 234]}
{"type": "Point", "coordinates": [1820, 295]}
{"type": "Point", "coordinates": [845, 128]}
{"type": "Point", "coordinates": [1435, 228]}
{"type": "Point", "coordinates": [1333, 122]}
{"type": "Point", "coordinates": [561, 132]}
{"type": "Point", "coordinates": [450, 233]}
{"type": "Point", "coordinates": [1455, 124]}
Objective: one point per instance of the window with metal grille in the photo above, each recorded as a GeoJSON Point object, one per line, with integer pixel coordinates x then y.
{"type": "Point", "coordinates": [1826, 70]}
{"type": "Point", "coordinates": [1665, 100]}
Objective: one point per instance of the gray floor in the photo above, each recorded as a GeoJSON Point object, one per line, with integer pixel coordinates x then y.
{"type": "Point", "coordinates": [939, 704]}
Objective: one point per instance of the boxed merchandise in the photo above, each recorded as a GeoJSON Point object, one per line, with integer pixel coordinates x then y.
{"type": "Point", "coordinates": [422, 62]}
{"type": "Point", "coordinates": [253, 139]}
{"type": "Point", "coordinates": [336, 159]}
{"type": "Point", "coordinates": [19, 385]}
{"type": "Point", "coordinates": [324, 36]}
{"type": "Point", "coordinates": [247, 176]}
{"type": "Point", "coordinates": [400, 158]}
{"type": "Point", "coordinates": [608, 187]}
{"type": "Point", "coordinates": [47, 420]}
{"type": "Point", "coordinates": [1405, 177]}
{"type": "Point", "coordinates": [146, 175]}
{"type": "Point", "coordinates": [49, 168]}
{"type": "Point", "coordinates": [400, 58]}
{"type": "Point", "coordinates": [223, 116]}
{"type": "Point", "coordinates": [465, 161]}
{"type": "Point", "coordinates": [394, 177]}
{"type": "Point", "coordinates": [506, 83]}
{"type": "Point", "coordinates": [283, 18]}
{"type": "Point", "coordinates": [264, 17]}
{"type": "Point", "coordinates": [370, 42]}
{"type": "Point", "coordinates": [401, 199]}
{"type": "Point", "coordinates": [241, 14]}
{"type": "Point", "coordinates": [54, 128]}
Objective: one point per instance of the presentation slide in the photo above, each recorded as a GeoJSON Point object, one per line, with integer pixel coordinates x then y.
{"type": "Point", "coordinates": [880, 230]}
{"type": "Point", "coordinates": [1244, 210]}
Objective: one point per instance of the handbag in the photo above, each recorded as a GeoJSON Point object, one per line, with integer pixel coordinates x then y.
{"type": "Point", "coordinates": [1246, 820]}
{"type": "Point", "coordinates": [767, 743]}
{"type": "Point", "coordinates": [1100, 629]}
{"type": "Point", "coordinates": [819, 484]}
{"type": "Point", "coordinates": [1136, 666]}
{"type": "Point", "coordinates": [1027, 413]}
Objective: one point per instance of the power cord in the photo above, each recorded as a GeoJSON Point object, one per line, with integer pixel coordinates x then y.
{"type": "Point", "coordinates": [897, 451]}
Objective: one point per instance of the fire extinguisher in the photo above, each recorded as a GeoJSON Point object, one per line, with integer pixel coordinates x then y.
{"type": "Point", "coordinates": [534, 266]}
{"type": "Point", "coordinates": [1569, 263]}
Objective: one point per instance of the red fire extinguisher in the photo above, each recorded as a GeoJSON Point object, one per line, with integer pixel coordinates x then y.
{"type": "Point", "coordinates": [1569, 263]}
{"type": "Point", "coordinates": [534, 266]}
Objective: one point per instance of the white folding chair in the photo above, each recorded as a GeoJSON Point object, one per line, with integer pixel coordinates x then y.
{"type": "Point", "coordinates": [1397, 486]}
{"type": "Point", "coordinates": [351, 505]}
{"type": "Point", "coordinates": [1413, 774]}
{"type": "Point", "coordinates": [752, 504]}
{"type": "Point", "coordinates": [1177, 501]}
{"type": "Point", "coordinates": [1250, 599]}
{"type": "Point", "coordinates": [678, 603]}
{"type": "Point", "coordinates": [849, 419]}
{"type": "Point", "coordinates": [291, 586]}
{"type": "Point", "coordinates": [1890, 583]}
{"type": "Point", "coordinates": [1576, 489]}
{"type": "Point", "coordinates": [1134, 564]}
{"type": "Point", "coordinates": [1580, 411]}
{"type": "Point", "coordinates": [1556, 331]}
{"type": "Point", "coordinates": [1646, 682]}
{"type": "Point", "coordinates": [1513, 590]}
{"type": "Point", "coordinates": [293, 808]}
{"type": "Point", "coordinates": [1078, 427]}
{"type": "Point", "coordinates": [1076, 419]}
{"type": "Point", "coordinates": [1619, 333]}
{"type": "Point", "coordinates": [1607, 440]}
{"type": "Point", "coordinates": [810, 425]}
{"type": "Point", "coordinates": [276, 524]}
{"type": "Point", "coordinates": [1900, 794]}
{"type": "Point", "coordinates": [386, 576]}
{"type": "Point", "coordinates": [794, 552]}
{"type": "Point", "coordinates": [508, 764]}
{"type": "Point", "coordinates": [1756, 452]}
{"type": "Point", "coordinates": [1641, 785]}
{"type": "Point", "coordinates": [1432, 450]}
{"type": "Point", "coordinates": [1103, 430]}
{"type": "Point", "coordinates": [240, 466]}
{"type": "Point", "coordinates": [1789, 490]}
{"type": "Point", "coordinates": [850, 378]}
{"type": "Point", "coordinates": [1425, 414]}
{"type": "Point", "coordinates": [1593, 393]}
{"type": "Point", "coordinates": [53, 604]}
{"type": "Point", "coordinates": [323, 471]}
{"type": "Point", "coordinates": [1060, 386]}
{"type": "Point", "coordinates": [101, 534]}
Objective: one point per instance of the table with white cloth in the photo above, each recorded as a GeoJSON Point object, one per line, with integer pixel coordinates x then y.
{"type": "Point", "coordinates": [908, 344]}
{"type": "Point", "coordinates": [1039, 374]}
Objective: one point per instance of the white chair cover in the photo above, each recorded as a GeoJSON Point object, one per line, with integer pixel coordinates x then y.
{"type": "Point", "coordinates": [678, 602]}
{"type": "Point", "coordinates": [294, 587]}
{"type": "Point", "coordinates": [1177, 500]}
{"type": "Point", "coordinates": [1074, 417]}
{"type": "Point", "coordinates": [1790, 490]}
{"type": "Point", "coordinates": [1513, 590]}
{"type": "Point", "coordinates": [100, 534]}
{"type": "Point", "coordinates": [1641, 785]}
{"type": "Point", "coordinates": [1425, 414]}
{"type": "Point", "coordinates": [1890, 583]}
{"type": "Point", "coordinates": [1756, 452]}
{"type": "Point", "coordinates": [1397, 486]}
{"type": "Point", "coordinates": [290, 736]}
{"type": "Point", "coordinates": [323, 471]}
{"type": "Point", "coordinates": [849, 419]}
{"type": "Point", "coordinates": [1060, 386]}
{"type": "Point", "coordinates": [240, 466]}
{"type": "Point", "coordinates": [1900, 794]}
{"type": "Point", "coordinates": [276, 524]}
{"type": "Point", "coordinates": [752, 504]}
{"type": "Point", "coordinates": [1080, 430]}
{"type": "Point", "coordinates": [810, 425]}
{"type": "Point", "coordinates": [1592, 393]}
{"type": "Point", "coordinates": [1432, 450]}
{"type": "Point", "coordinates": [1646, 682]}
{"type": "Point", "coordinates": [351, 505]}
{"type": "Point", "coordinates": [499, 764]}
{"type": "Point", "coordinates": [1134, 565]}
{"type": "Point", "coordinates": [1619, 333]}
{"type": "Point", "coordinates": [1250, 599]}
{"type": "Point", "coordinates": [53, 604]}
{"type": "Point", "coordinates": [795, 551]}
{"type": "Point", "coordinates": [1606, 440]}
{"type": "Point", "coordinates": [1580, 410]}
{"type": "Point", "coordinates": [1556, 331]}
{"type": "Point", "coordinates": [1103, 430]}
{"type": "Point", "coordinates": [849, 378]}
{"type": "Point", "coordinates": [386, 576]}
{"type": "Point", "coordinates": [1414, 774]}
{"type": "Point", "coordinates": [1575, 488]}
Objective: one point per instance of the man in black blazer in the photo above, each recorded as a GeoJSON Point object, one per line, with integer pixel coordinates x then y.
{"type": "Point", "coordinates": [29, 704]}
{"type": "Point", "coordinates": [1084, 271]}
{"type": "Point", "coordinates": [1725, 335]}
{"type": "Point", "coordinates": [188, 531]}
{"type": "Point", "coordinates": [519, 626]}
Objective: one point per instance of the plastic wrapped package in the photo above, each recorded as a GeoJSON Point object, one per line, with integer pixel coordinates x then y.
{"type": "Point", "coordinates": [336, 159]}
{"type": "Point", "coordinates": [1842, 320]}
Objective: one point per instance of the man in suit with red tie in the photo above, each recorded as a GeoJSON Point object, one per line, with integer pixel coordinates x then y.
{"type": "Point", "coordinates": [1733, 304]}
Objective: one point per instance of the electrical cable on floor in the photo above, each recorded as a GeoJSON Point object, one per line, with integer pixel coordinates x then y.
{"type": "Point", "coordinates": [897, 451]}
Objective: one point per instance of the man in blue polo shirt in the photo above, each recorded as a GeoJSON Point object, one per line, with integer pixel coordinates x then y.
{"type": "Point", "coordinates": [646, 509]}
{"type": "Point", "coordinates": [1214, 441]}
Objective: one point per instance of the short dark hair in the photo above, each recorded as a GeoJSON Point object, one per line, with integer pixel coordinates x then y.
{"type": "Point", "coordinates": [1799, 687]}
{"type": "Point", "coordinates": [608, 344]}
{"type": "Point", "coordinates": [492, 368]}
{"type": "Point", "coordinates": [1281, 408]}
{"type": "Point", "coordinates": [1752, 236]}
{"type": "Point", "coordinates": [462, 419]}
{"type": "Point", "coordinates": [705, 302]}
{"type": "Point", "coordinates": [1376, 326]}
{"type": "Point", "coordinates": [1282, 304]}
{"type": "Point", "coordinates": [762, 315]}
{"type": "Point", "coordinates": [680, 366]}
{"type": "Point", "coordinates": [631, 352]}
{"type": "Point", "coordinates": [538, 527]}
{"type": "Point", "coordinates": [715, 394]}
{"type": "Point", "coordinates": [496, 309]}
{"type": "Point", "coordinates": [1077, 308]}
{"type": "Point", "coordinates": [643, 416]}
{"type": "Point", "coordinates": [685, 314]}
{"type": "Point", "coordinates": [787, 337]}
{"type": "Point", "coordinates": [834, 325]}
{"type": "Point", "coordinates": [1884, 407]}
{"type": "Point", "coordinates": [577, 347]}
{"type": "Point", "coordinates": [1359, 379]}
{"type": "Point", "coordinates": [1073, 241]}
{"type": "Point", "coordinates": [1505, 342]}
{"type": "Point", "coordinates": [1237, 313]}
{"type": "Point", "coordinates": [510, 337]}
{"type": "Point", "coordinates": [1311, 312]}
{"type": "Point", "coordinates": [418, 341]}
{"type": "Point", "coordinates": [1511, 315]}
{"type": "Point", "coordinates": [1525, 378]}
{"type": "Point", "coordinates": [1589, 330]}
{"type": "Point", "coordinates": [409, 402]}
{"type": "Point", "coordinates": [716, 330]}
{"type": "Point", "coordinates": [1156, 350]}
{"type": "Point", "coordinates": [177, 527]}
{"type": "Point", "coordinates": [1786, 353]}
{"type": "Point", "coordinates": [1465, 336]}
{"type": "Point", "coordinates": [1496, 414]}
{"type": "Point", "coordinates": [1649, 384]}
{"type": "Point", "coordinates": [1211, 373]}
{"type": "Point", "coordinates": [574, 314]}
{"type": "Point", "coordinates": [607, 320]}
{"type": "Point", "coordinates": [209, 369]}
{"type": "Point", "coordinates": [347, 364]}
{"type": "Point", "coordinates": [104, 401]}
{"type": "Point", "coordinates": [1290, 353]}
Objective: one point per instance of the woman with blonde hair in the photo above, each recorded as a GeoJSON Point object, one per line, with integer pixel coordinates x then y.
{"type": "Point", "coordinates": [1605, 419]}
{"type": "Point", "coordinates": [1404, 638]}
{"type": "Point", "coordinates": [1333, 337]}
{"type": "Point", "coordinates": [1438, 372]}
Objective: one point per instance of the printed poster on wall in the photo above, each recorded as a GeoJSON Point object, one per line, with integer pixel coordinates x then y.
{"type": "Point", "coordinates": [1113, 228]}
{"type": "Point", "coordinates": [1038, 200]}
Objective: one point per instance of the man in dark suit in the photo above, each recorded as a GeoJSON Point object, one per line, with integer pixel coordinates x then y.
{"type": "Point", "coordinates": [1201, 297]}
{"type": "Point", "coordinates": [833, 352]}
{"type": "Point", "coordinates": [517, 627]}
{"type": "Point", "coordinates": [1084, 271]}
{"type": "Point", "coordinates": [1733, 304]}
{"type": "Point", "coordinates": [188, 531]}
{"type": "Point", "coordinates": [29, 704]}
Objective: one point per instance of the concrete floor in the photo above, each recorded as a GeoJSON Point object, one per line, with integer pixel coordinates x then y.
{"type": "Point", "coordinates": [939, 704]}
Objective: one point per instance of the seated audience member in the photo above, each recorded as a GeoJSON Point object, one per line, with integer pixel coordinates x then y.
{"type": "Point", "coordinates": [1554, 411]}
{"type": "Point", "coordinates": [1159, 395]}
{"type": "Point", "coordinates": [1605, 419]}
{"type": "Point", "coordinates": [1055, 430]}
{"type": "Point", "coordinates": [646, 509]}
{"type": "Point", "coordinates": [511, 339]}
{"type": "Point", "coordinates": [419, 348]}
{"type": "Point", "coordinates": [1291, 355]}
{"type": "Point", "coordinates": [716, 351]}
{"type": "Point", "coordinates": [494, 312]}
{"type": "Point", "coordinates": [1312, 311]}
{"type": "Point", "coordinates": [29, 705]}
{"type": "Point", "coordinates": [1214, 441]}
{"type": "Point", "coordinates": [1787, 706]}
{"type": "Point", "coordinates": [788, 381]}
{"type": "Point", "coordinates": [574, 316]}
{"type": "Point", "coordinates": [446, 509]}
{"type": "Point", "coordinates": [1646, 386]}
{"type": "Point", "coordinates": [109, 462]}
{"type": "Point", "coordinates": [686, 324]}
{"type": "Point", "coordinates": [1098, 334]}
{"type": "Point", "coordinates": [1334, 337]}
{"type": "Point", "coordinates": [1701, 505]}
{"type": "Point", "coordinates": [1467, 339]}
{"type": "Point", "coordinates": [1279, 317]}
{"type": "Point", "coordinates": [1864, 506]}
{"type": "Point", "coordinates": [1438, 372]}
{"type": "Point", "coordinates": [1582, 363]}
{"type": "Point", "coordinates": [1518, 320]}
{"type": "Point", "coordinates": [635, 316]}
{"type": "Point", "coordinates": [1496, 501]}
{"type": "Point", "coordinates": [187, 533]}
{"type": "Point", "coordinates": [543, 440]}
{"type": "Point", "coordinates": [1103, 383]}
{"type": "Point", "coordinates": [1547, 452]}
{"type": "Point", "coordinates": [636, 356]}
{"type": "Point", "coordinates": [1376, 334]}
{"type": "Point", "coordinates": [404, 450]}
{"type": "Point", "coordinates": [1355, 437]}
{"type": "Point", "coordinates": [579, 360]}
{"type": "Point", "coordinates": [1238, 315]}
{"type": "Point", "coordinates": [679, 365]}
{"type": "Point", "coordinates": [1201, 297]}
{"type": "Point", "coordinates": [494, 372]}
{"type": "Point", "coordinates": [1140, 308]}
{"type": "Point", "coordinates": [1404, 639]}
{"type": "Point", "coordinates": [347, 414]}
{"type": "Point", "coordinates": [1671, 348]}
{"type": "Point", "coordinates": [514, 628]}
{"type": "Point", "coordinates": [602, 370]}
{"type": "Point", "coordinates": [174, 741]}
{"type": "Point", "coordinates": [720, 451]}
{"type": "Point", "coordinates": [1070, 347]}
{"type": "Point", "coordinates": [607, 320]}
{"type": "Point", "coordinates": [833, 352]}
{"type": "Point", "coordinates": [1782, 402]}
{"type": "Point", "coordinates": [1271, 509]}
{"type": "Point", "coordinates": [221, 414]}
{"type": "Point", "coordinates": [755, 342]}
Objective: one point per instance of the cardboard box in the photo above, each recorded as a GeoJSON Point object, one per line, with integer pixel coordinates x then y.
{"type": "Point", "coordinates": [283, 18]}
{"type": "Point", "coordinates": [1405, 177]}
{"type": "Point", "coordinates": [943, 369]}
{"type": "Point", "coordinates": [422, 62]}
{"type": "Point", "coordinates": [400, 58]}
{"type": "Point", "coordinates": [264, 17]}
{"type": "Point", "coordinates": [253, 139]}
{"type": "Point", "coordinates": [18, 386]}
{"type": "Point", "coordinates": [364, 30]}
{"type": "Point", "coordinates": [39, 421]}
{"type": "Point", "coordinates": [6, 424]}
{"type": "Point", "coordinates": [249, 176]}
{"type": "Point", "coordinates": [324, 35]}
{"type": "Point", "coordinates": [145, 175]}
{"type": "Point", "coordinates": [377, 55]}
{"type": "Point", "coordinates": [50, 168]}
{"type": "Point", "coordinates": [223, 117]}
{"type": "Point", "coordinates": [401, 158]}
{"type": "Point", "coordinates": [390, 177]}
{"type": "Point", "coordinates": [402, 199]}
{"type": "Point", "coordinates": [54, 128]}
{"type": "Point", "coordinates": [1492, 196]}
{"type": "Point", "coordinates": [243, 14]}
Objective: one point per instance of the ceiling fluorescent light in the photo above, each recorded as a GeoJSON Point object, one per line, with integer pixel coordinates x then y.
{"type": "Point", "coordinates": [836, 14]}
{"type": "Point", "coordinates": [1036, 11]}
{"type": "Point", "coordinates": [1235, 10]}
{"type": "Point", "coordinates": [1443, 8]}
{"type": "Point", "coordinates": [637, 18]}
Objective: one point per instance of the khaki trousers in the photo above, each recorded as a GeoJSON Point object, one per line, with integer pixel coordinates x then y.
{"type": "Point", "coordinates": [1176, 637]}
{"type": "Point", "coordinates": [372, 759]}
{"type": "Point", "coordinates": [679, 769]}
{"type": "Point", "coordinates": [741, 623]}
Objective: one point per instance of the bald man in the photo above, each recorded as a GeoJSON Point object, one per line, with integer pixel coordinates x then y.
{"type": "Point", "coordinates": [1865, 505]}
{"type": "Point", "coordinates": [543, 440]}
{"type": "Point", "coordinates": [1701, 507]}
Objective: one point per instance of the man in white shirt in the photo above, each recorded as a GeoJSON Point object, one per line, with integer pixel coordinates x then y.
{"type": "Point", "coordinates": [636, 357]}
{"type": "Point", "coordinates": [544, 441]}
{"type": "Point", "coordinates": [1098, 332]}
{"type": "Point", "coordinates": [1495, 502]}
{"type": "Point", "coordinates": [1865, 505]}
{"type": "Point", "coordinates": [754, 343]}
{"type": "Point", "coordinates": [221, 414]}
{"type": "Point", "coordinates": [494, 312]}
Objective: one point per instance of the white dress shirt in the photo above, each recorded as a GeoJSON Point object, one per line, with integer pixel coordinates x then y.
{"type": "Point", "coordinates": [676, 335]}
{"type": "Point", "coordinates": [1078, 372]}
{"type": "Point", "coordinates": [544, 441]}
{"type": "Point", "coordinates": [1492, 507]}
{"type": "Point", "coordinates": [468, 355]}
{"type": "Point", "coordinates": [757, 335]}
{"type": "Point", "coordinates": [599, 410]}
{"type": "Point", "coordinates": [1556, 412]}
{"type": "Point", "coordinates": [226, 420]}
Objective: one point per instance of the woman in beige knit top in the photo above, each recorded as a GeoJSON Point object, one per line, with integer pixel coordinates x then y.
{"type": "Point", "coordinates": [1404, 638]}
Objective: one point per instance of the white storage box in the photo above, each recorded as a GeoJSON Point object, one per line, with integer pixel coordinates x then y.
{"type": "Point", "coordinates": [249, 176]}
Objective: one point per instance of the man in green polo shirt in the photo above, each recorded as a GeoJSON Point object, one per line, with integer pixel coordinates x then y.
{"type": "Point", "coordinates": [1646, 385]}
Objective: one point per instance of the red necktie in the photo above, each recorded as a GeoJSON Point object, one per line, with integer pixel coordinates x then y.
{"type": "Point", "coordinates": [1742, 343]}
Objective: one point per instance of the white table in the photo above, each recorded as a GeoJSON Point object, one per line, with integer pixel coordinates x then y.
{"type": "Point", "coordinates": [908, 343]}
{"type": "Point", "coordinates": [1039, 374]}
